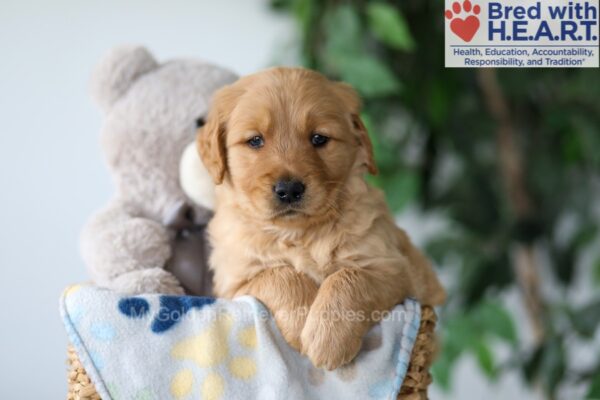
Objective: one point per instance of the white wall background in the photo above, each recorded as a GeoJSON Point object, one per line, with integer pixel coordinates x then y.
{"type": "Point", "coordinates": [52, 175]}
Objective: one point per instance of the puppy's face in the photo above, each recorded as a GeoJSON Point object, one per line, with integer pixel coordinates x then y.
{"type": "Point", "coordinates": [285, 142]}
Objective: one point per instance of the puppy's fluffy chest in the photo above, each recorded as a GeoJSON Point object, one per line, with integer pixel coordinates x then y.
{"type": "Point", "coordinates": [244, 248]}
{"type": "Point", "coordinates": [316, 258]}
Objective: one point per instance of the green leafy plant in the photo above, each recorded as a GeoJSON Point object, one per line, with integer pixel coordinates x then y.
{"type": "Point", "coordinates": [510, 157]}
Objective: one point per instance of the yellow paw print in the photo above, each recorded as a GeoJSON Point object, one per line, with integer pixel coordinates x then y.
{"type": "Point", "coordinates": [209, 349]}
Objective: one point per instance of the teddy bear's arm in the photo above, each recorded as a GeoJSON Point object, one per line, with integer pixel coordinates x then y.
{"type": "Point", "coordinates": [128, 253]}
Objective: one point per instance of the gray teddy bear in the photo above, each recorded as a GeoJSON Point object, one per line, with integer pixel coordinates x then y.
{"type": "Point", "coordinates": [150, 238]}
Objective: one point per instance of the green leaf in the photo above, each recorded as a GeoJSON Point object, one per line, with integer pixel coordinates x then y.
{"type": "Point", "coordinates": [585, 235]}
{"type": "Point", "coordinates": [597, 272]}
{"type": "Point", "coordinates": [345, 56]}
{"type": "Point", "coordinates": [553, 364]}
{"type": "Point", "coordinates": [495, 320]}
{"type": "Point", "coordinates": [386, 155]}
{"type": "Point", "coordinates": [441, 372]}
{"type": "Point", "coordinates": [438, 104]}
{"type": "Point", "coordinates": [573, 149]}
{"type": "Point", "coordinates": [343, 33]}
{"type": "Point", "coordinates": [531, 366]}
{"type": "Point", "coordinates": [401, 189]}
{"type": "Point", "coordinates": [368, 75]}
{"type": "Point", "coordinates": [281, 5]}
{"type": "Point", "coordinates": [586, 319]}
{"type": "Point", "coordinates": [594, 390]}
{"type": "Point", "coordinates": [303, 10]}
{"type": "Point", "coordinates": [566, 256]}
{"type": "Point", "coordinates": [457, 337]}
{"type": "Point", "coordinates": [563, 262]}
{"type": "Point", "coordinates": [389, 26]}
{"type": "Point", "coordinates": [485, 358]}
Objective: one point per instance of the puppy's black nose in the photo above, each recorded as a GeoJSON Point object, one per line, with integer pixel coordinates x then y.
{"type": "Point", "coordinates": [289, 191]}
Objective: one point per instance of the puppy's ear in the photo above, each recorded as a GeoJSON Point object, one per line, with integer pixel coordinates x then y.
{"type": "Point", "coordinates": [365, 142]}
{"type": "Point", "coordinates": [211, 147]}
{"type": "Point", "coordinates": [211, 137]}
{"type": "Point", "coordinates": [351, 101]}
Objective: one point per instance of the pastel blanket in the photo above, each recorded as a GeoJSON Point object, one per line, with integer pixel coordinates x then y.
{"type": "Point", "coordinates": [181, 347]}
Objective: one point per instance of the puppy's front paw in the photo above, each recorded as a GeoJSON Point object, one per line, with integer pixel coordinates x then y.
{"type": "Point", "coordinates": [290, 325]}
{"type": "Point", "coordinates": [329, 344]}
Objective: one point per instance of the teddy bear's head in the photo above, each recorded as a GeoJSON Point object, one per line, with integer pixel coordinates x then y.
{"type": "Point", "coordinates": [152, 111]}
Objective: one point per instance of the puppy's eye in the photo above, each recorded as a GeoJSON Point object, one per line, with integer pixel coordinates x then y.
{"type": "Point", "coordinates": [200, 122]}
{"type": "Point", "coordinates": [318, 140]}
{"type": "Point", "coordinates": [256, 142]}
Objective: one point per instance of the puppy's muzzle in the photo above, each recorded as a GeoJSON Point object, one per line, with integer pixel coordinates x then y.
{"type": "Point", "coordinates": [289, 191]}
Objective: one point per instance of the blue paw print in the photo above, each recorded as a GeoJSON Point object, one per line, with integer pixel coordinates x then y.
{"type": "Point", "coordinates": [172, 309]}
{"type": "Point", "coordinates": [134, 307]}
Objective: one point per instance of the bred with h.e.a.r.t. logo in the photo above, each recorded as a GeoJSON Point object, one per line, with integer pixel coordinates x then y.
{"type": "Point", "coordinates": [522, 33]}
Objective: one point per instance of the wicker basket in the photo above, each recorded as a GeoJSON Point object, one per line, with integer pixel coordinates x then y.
{"type": "Point", "coordinates": [414, 386]}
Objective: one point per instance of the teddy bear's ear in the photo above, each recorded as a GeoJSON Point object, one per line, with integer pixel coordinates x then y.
{"type": "Point", "coordinates": [117, 71]}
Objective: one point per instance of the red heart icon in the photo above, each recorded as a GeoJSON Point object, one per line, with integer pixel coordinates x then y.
{"type": "Point", "coordinates": [465, 28]}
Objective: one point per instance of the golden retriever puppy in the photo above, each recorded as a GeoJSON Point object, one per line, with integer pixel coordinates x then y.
{"type": "Point", "coordinates": [295, 223]}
